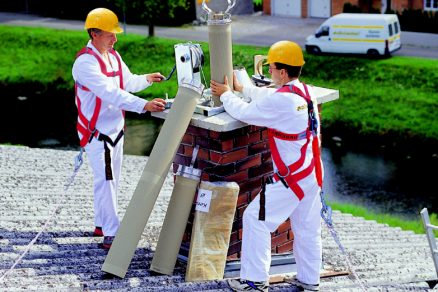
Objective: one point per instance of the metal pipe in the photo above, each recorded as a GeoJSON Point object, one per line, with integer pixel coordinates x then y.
{"type": "Point", "coordinates": [221, 59]}
{"type": "Point", "coordinates": [174, 225]}
{"type": "Point", "coordinates": [145, 195]}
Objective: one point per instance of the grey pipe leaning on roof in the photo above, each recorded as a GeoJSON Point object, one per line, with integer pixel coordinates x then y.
{"type": "Point", "coordinates": [145, 195]}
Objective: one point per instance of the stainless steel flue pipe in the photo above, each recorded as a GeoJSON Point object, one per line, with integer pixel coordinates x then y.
{"type": "Point", "coordinates": [220, 45]}
{"type": "Point", "coordinates": [145, 195]}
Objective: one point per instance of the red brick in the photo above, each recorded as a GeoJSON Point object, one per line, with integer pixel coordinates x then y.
{"type": "Point", "coordinates": [258, 148]}
{"type": "Point", "coordinates": [196, 131]}
{"type": "Point", "coordinates": [203, 154]}
{"type": "Point", "coordinates": [228, 135]}
{"type": "Point", "coordinates": [234, 248]}
{"type": "Point", "coordinates": [188, 139]}
{"type": "Point", "coordinates": [214, 134]}
{"type": "Point", "coordinates": [266, 156]}
{"type": "Point", "coordinates": [254, 137]}
{"type": "Point", "coordinates": [223, 158]}
{"type": "Point", "coordinates": [216, 169]}
{"type": "Point", "coordinates": [290, 235]}
{"type": "Point", "coordinates": [242, 200]}
{"type": "Point", "coordinates": [202, 141]}
{"type": "Point", "coordinates": [240, 211]}
{"type": "Point", "coordinates": [254, 193]}
{"type": "Point", "coordinates": [205, 176]}
{"type": "Point", "coordinates": [285, 247]}
{"type": "Point", "coordinates": [279, 239]}
{"type": "Point", "coordinates": [250, 185]}
{"type": "Point", "coordinates": [234, 237]}
{"type": "Point", "coordinates": [285, 226]}
{"type": "Point", "coordinates": [265, 134]}
{"type": "Point", "coordinates": [221, 146]}
{"type": "Point", "coordinates": [180, 149]}
{"type": "Point", "coordinates": [241, 141]}
{"type": "Point", "coordinates": [233, 257]}
{"type": "Point", "coordinates": [237, 177]}
{"type": "Point", "coordinates": [253, 128]}
{"type": "Point", "coordinates": [183, 160]}
{"type": "Point", "coordinates": [264, 169]}
{"type": "Point", "coordinates": [249, 162]}
{"type": "Point", "coordinates": [188, 151]}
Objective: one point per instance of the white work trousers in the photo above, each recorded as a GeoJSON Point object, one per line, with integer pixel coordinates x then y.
{"type": "Point", "coordinates": [105, 191]}
{"type": "Point", "coordinates": [282, 203]}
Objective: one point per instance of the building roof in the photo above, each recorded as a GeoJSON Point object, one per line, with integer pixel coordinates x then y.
{"type": "Point", "coordinates": [67, 257]}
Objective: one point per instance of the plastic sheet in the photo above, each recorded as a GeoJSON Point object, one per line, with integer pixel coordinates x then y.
{"type": "Point", "coordinates": [211, 232]}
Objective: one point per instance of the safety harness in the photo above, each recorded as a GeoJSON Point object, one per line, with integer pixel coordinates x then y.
{"type": "Point", "coordinates": [87, 128]}
{"type": "Point", "coordinates": [288, 175]}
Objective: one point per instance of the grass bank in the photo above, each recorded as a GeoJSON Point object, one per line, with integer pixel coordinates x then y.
{"type": "Point", "coordinates": [393, 221]}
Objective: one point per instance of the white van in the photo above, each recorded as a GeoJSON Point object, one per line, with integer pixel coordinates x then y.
{"type": "Point", "coordinates": [357, 33]}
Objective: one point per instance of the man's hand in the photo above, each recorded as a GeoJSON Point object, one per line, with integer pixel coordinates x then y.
{"type": "Point", "coordinates": [219, 88]}
{"type": "Point", "coordinates": [237, 85]}
{"type": "Point", "coordinates": [155, 105]}
{"type": "Point", "coordinates": [155, 77]}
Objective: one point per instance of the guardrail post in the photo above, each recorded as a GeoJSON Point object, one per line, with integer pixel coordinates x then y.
{"type": "Point", "coordinates": [430, 237]}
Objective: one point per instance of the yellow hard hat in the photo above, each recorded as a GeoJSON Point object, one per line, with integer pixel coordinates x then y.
{"type": "Point", "coordinates": [103, 19]}
{"type": "Point", "coordinates": [286, 52]}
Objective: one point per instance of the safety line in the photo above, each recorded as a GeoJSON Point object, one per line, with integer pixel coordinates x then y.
{"type": "Point", "coordinates": [326, 214]}
{"type": "Point", "coordinates": [78, 162]}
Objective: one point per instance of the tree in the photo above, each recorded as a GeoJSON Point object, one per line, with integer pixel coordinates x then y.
{"type": "Point", "coordinates": [150, 10]}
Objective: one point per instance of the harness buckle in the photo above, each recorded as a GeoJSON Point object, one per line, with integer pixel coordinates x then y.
{"type": "Point", "coordinates": [284, 176]}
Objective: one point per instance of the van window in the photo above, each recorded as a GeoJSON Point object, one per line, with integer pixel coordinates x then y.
{"type": "Point", "coordinates": [390, 29]}
{"type": "Point", "coordinates": [395, 27]}
{"type": "Point", "coordinates": [323, 31]}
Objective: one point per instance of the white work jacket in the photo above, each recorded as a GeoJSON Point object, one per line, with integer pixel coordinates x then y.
{"type": "Point", "coordinates": [87, 72]}
{"type": "Point", "coordinates": [285, 112]}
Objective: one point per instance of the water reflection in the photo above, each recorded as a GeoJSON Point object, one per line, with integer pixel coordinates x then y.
{"type": "Point", "coordinates": [401, 188]}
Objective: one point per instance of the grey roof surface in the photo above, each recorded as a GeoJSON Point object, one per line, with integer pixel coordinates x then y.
{"type": "Point", "coordinates": [67, 258]}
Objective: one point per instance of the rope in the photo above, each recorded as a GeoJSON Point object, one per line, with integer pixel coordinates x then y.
{"type": "Point", "coordinates": [326, 214]}
{"type": "Point", "coordinates": [78, 162]}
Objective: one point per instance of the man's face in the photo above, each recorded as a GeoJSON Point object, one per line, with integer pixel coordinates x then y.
{"type": "Point", "coordinates": [276, 74]}
{"type": "Point", "coordinates": [104, 40]}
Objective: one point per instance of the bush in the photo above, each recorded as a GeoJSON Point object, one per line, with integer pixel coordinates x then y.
{"type": "Point", "coordinates": [79, 9]}
{"type": "Point", "coordinates": [418, 20]}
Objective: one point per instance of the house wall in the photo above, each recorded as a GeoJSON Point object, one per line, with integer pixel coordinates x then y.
{"type": "Point", "coordinates": [338, 5]}
{"type": "Point", "coordinates": [267, 7]}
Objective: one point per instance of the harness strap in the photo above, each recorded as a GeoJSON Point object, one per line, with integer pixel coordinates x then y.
{"type": "Point", "coordinates": [262, 209]}
{"type": "Point", "coordinates": [107, 140]}
{"type": "Point", "coordinates": [88, 128]}
{"type": "Point", "coordinates": [288, 173]}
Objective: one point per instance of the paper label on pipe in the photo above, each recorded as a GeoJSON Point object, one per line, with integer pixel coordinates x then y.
{"type": "Point", "coordinates": [203, 200]}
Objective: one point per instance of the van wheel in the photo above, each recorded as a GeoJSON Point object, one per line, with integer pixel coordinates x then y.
{"type": "Point", "coordinates": [313, 50]}
{"type": "Point", "coordinates": [373, 53]}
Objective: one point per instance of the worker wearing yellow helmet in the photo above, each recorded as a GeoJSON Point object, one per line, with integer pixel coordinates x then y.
{"type": "Point", "coordinates": [291, 116]}
{"type": "Point", "coordinates": [103, 86]}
